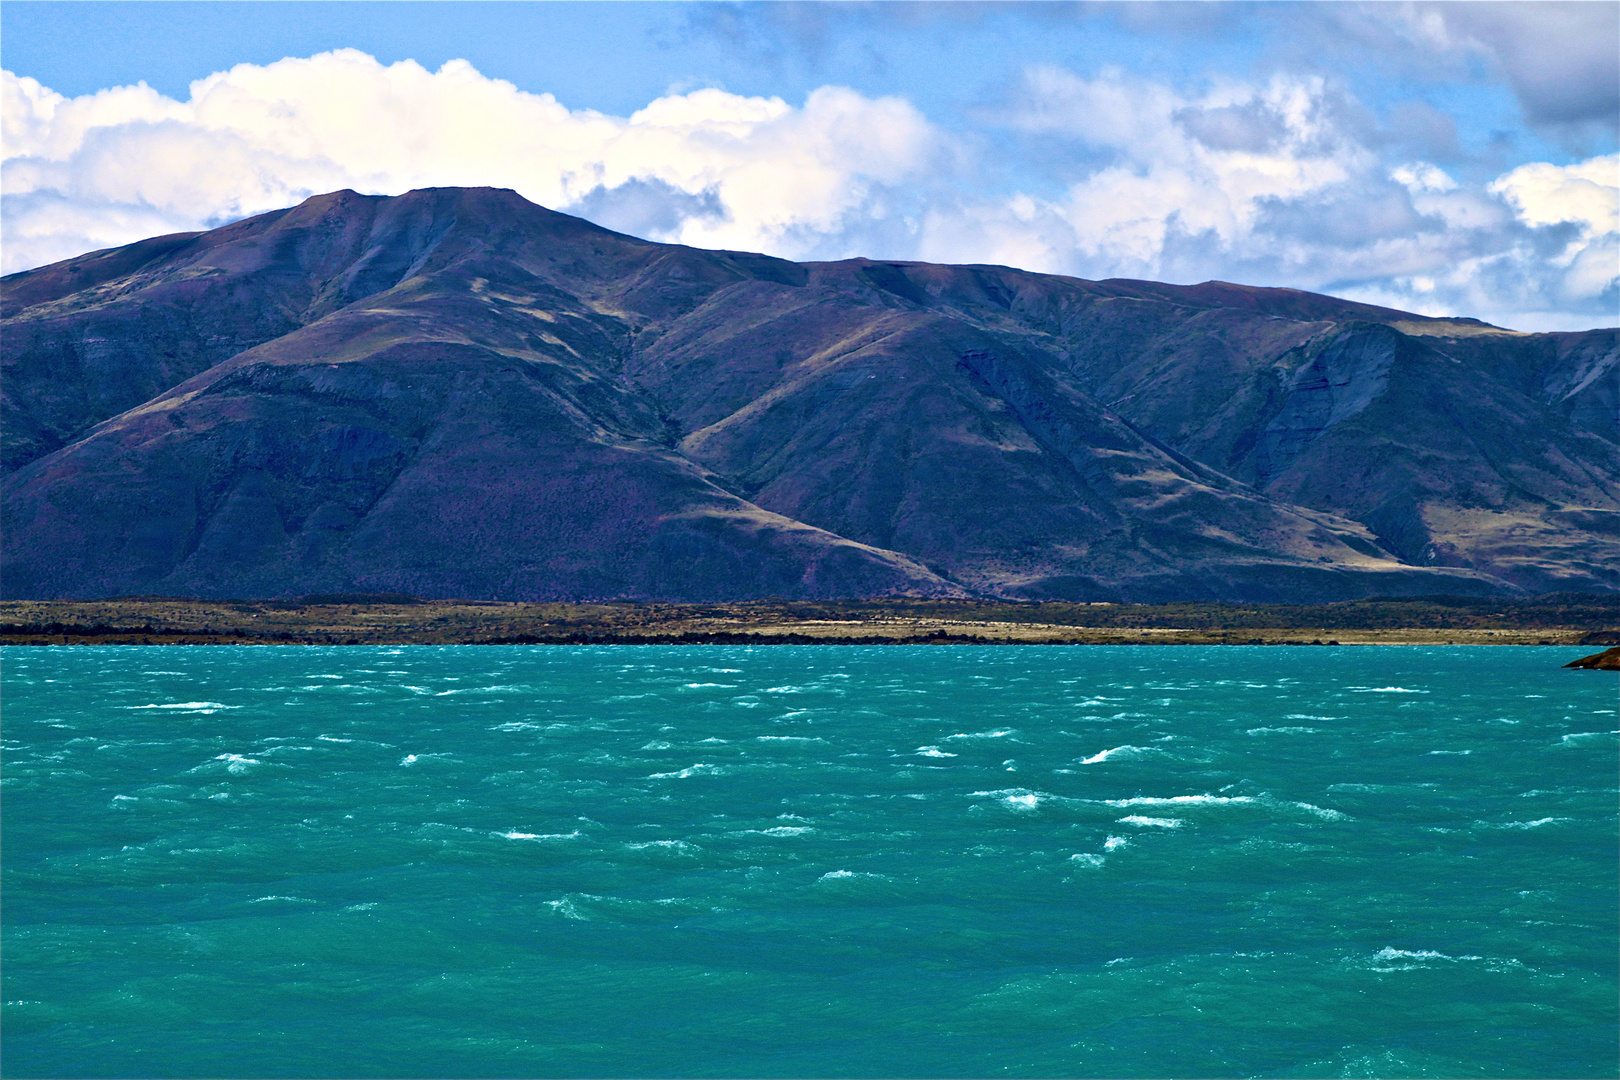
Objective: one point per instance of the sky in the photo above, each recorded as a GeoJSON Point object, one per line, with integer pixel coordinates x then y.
{"type": "Point", "coordinates": [1448, 158]}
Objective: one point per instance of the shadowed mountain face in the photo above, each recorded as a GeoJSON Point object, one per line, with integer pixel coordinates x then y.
{"type": "Point", "coordinates": [458, 393]}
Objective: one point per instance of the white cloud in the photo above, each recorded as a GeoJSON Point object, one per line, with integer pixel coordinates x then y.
{"type": "Point", "coordinates": [1587, 193]}
{"type": "Point", "coordinates": [1421, 176]}
{"type": "Point", "coordinates": [1279, 182]}
{"type": "Point", "coordinates": [115, 166]}
{"type": "Point", "coordinates": [1209, 166]}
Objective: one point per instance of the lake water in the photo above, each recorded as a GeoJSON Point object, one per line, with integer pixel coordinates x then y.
{"type": "Point", "coordinates": [809, 861]}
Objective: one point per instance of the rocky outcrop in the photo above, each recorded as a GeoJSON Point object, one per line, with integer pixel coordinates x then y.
{"type": "Point", "coordinates": [1336, 384]}
{"type": "Point", "coordinates": [1607, 660]}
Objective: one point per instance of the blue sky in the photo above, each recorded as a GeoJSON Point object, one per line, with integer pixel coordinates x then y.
{"type": "Point", "coordinates": [1451, 158]}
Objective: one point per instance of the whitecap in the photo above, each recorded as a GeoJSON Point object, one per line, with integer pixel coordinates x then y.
{"type": "Point", "coordinates": [708, 685]}
{"type": "Point", "coordinates": [540, 836]}
{"type": "Point", "coordinates": [1321, 812]}
{"type": "Point", "coordinates": [1114, 842]}
{"type": "Point", "coordinates": [782, 830]}
{"type": "Point", "coordinates": [1228, 800]}
{"type": "Point", "coordinates": [933, 751]}
{"type": "Point", "coordinates": [1448, 753]}
{"type": "Point", "coordinates": [1411, 959]}
{"type": "Point", "coordinates": [853, 875]}
{"type": "Point", "coordinates": [1536, 824]}
{"type": "Point", "coordinates": [236, 763]}
{"type": "Point", "coordinates": [1086, 859]}
{"type": "Point", "coordinates": [788, 738]}
{"type": "Point", "coordinates": [289, 899]}
{"type": "Point", "coordinates": [700, 769]}
{"type": "Point", "coordinates": [1576, 737]}
{"type": "Point", "coordinates": [187, 706]}
{"type": "Point", "coordinates": [1183, 800]}
{"type": "Point", "coordinates": [1118, 751]}
{"type": "Point", "coordinates": [665, 845]}
{"type": "Point", "coordinates": [1388, 953]}
{"type": "Point", "coordinates": [1281, 731]}
{"type": "Point", "coordinates": [1021, 800]}
{"type": "Point", "coordinates": [999, 734]}
{"type": "Point", "coordinates": [1384, 690]}
{"type": "Point", "coordinates": [1153, 822]}
{"type": "Point", "coordinates": [1001, 793]}
{"type": "Point", "coordinates": [567, 909]}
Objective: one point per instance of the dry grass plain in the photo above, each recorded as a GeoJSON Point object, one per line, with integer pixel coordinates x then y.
{"type": "Point", "coordinates": [1559, 619]}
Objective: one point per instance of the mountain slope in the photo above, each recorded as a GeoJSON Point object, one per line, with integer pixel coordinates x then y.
{"type": "Point", "coordinates": [457, 393]}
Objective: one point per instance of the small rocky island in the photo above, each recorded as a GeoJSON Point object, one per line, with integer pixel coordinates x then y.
{"type": "Point", "coordinates": [1607, 660]}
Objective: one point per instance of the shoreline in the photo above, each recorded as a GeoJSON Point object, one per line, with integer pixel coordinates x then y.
{"type": "Point", "coordinates": [1566, 619]}
{"type": "Point", "coordinates": [751, 640]}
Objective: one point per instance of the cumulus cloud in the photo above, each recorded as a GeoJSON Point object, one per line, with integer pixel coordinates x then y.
{"type": "Point", "coordinates": [1279, 181]}
{"type": "Point", "coordinates": [1283, 182]}
{"type": "Point", "coordinates": [1550, 194]}
{"type": "Point", "coordinates": [1587, 196]}
{"type": "Point", "coordinates": [734, 171]}
{"type": "Point", "coordinates": [1174, 167]}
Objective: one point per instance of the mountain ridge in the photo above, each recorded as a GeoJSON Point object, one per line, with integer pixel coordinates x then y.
{"type": "Point", "coordinates": [455, 392]}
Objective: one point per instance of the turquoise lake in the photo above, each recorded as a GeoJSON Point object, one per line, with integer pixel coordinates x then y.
{"type": "Point", "coordinates": [715, 861]}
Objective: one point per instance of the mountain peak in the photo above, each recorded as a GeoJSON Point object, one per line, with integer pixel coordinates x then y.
{"type": "Point", "coordinates": [456, 392]}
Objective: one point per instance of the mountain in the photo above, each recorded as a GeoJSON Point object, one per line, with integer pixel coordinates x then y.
{"type": "Point", "coordinates": [455, 392]}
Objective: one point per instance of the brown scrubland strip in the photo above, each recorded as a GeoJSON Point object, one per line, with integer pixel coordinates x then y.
{"type": "Point", "coordinates": [389, 619]}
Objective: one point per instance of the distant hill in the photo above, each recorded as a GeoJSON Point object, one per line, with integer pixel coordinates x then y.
{"type": "Point", "coordinates": [457, 393]}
